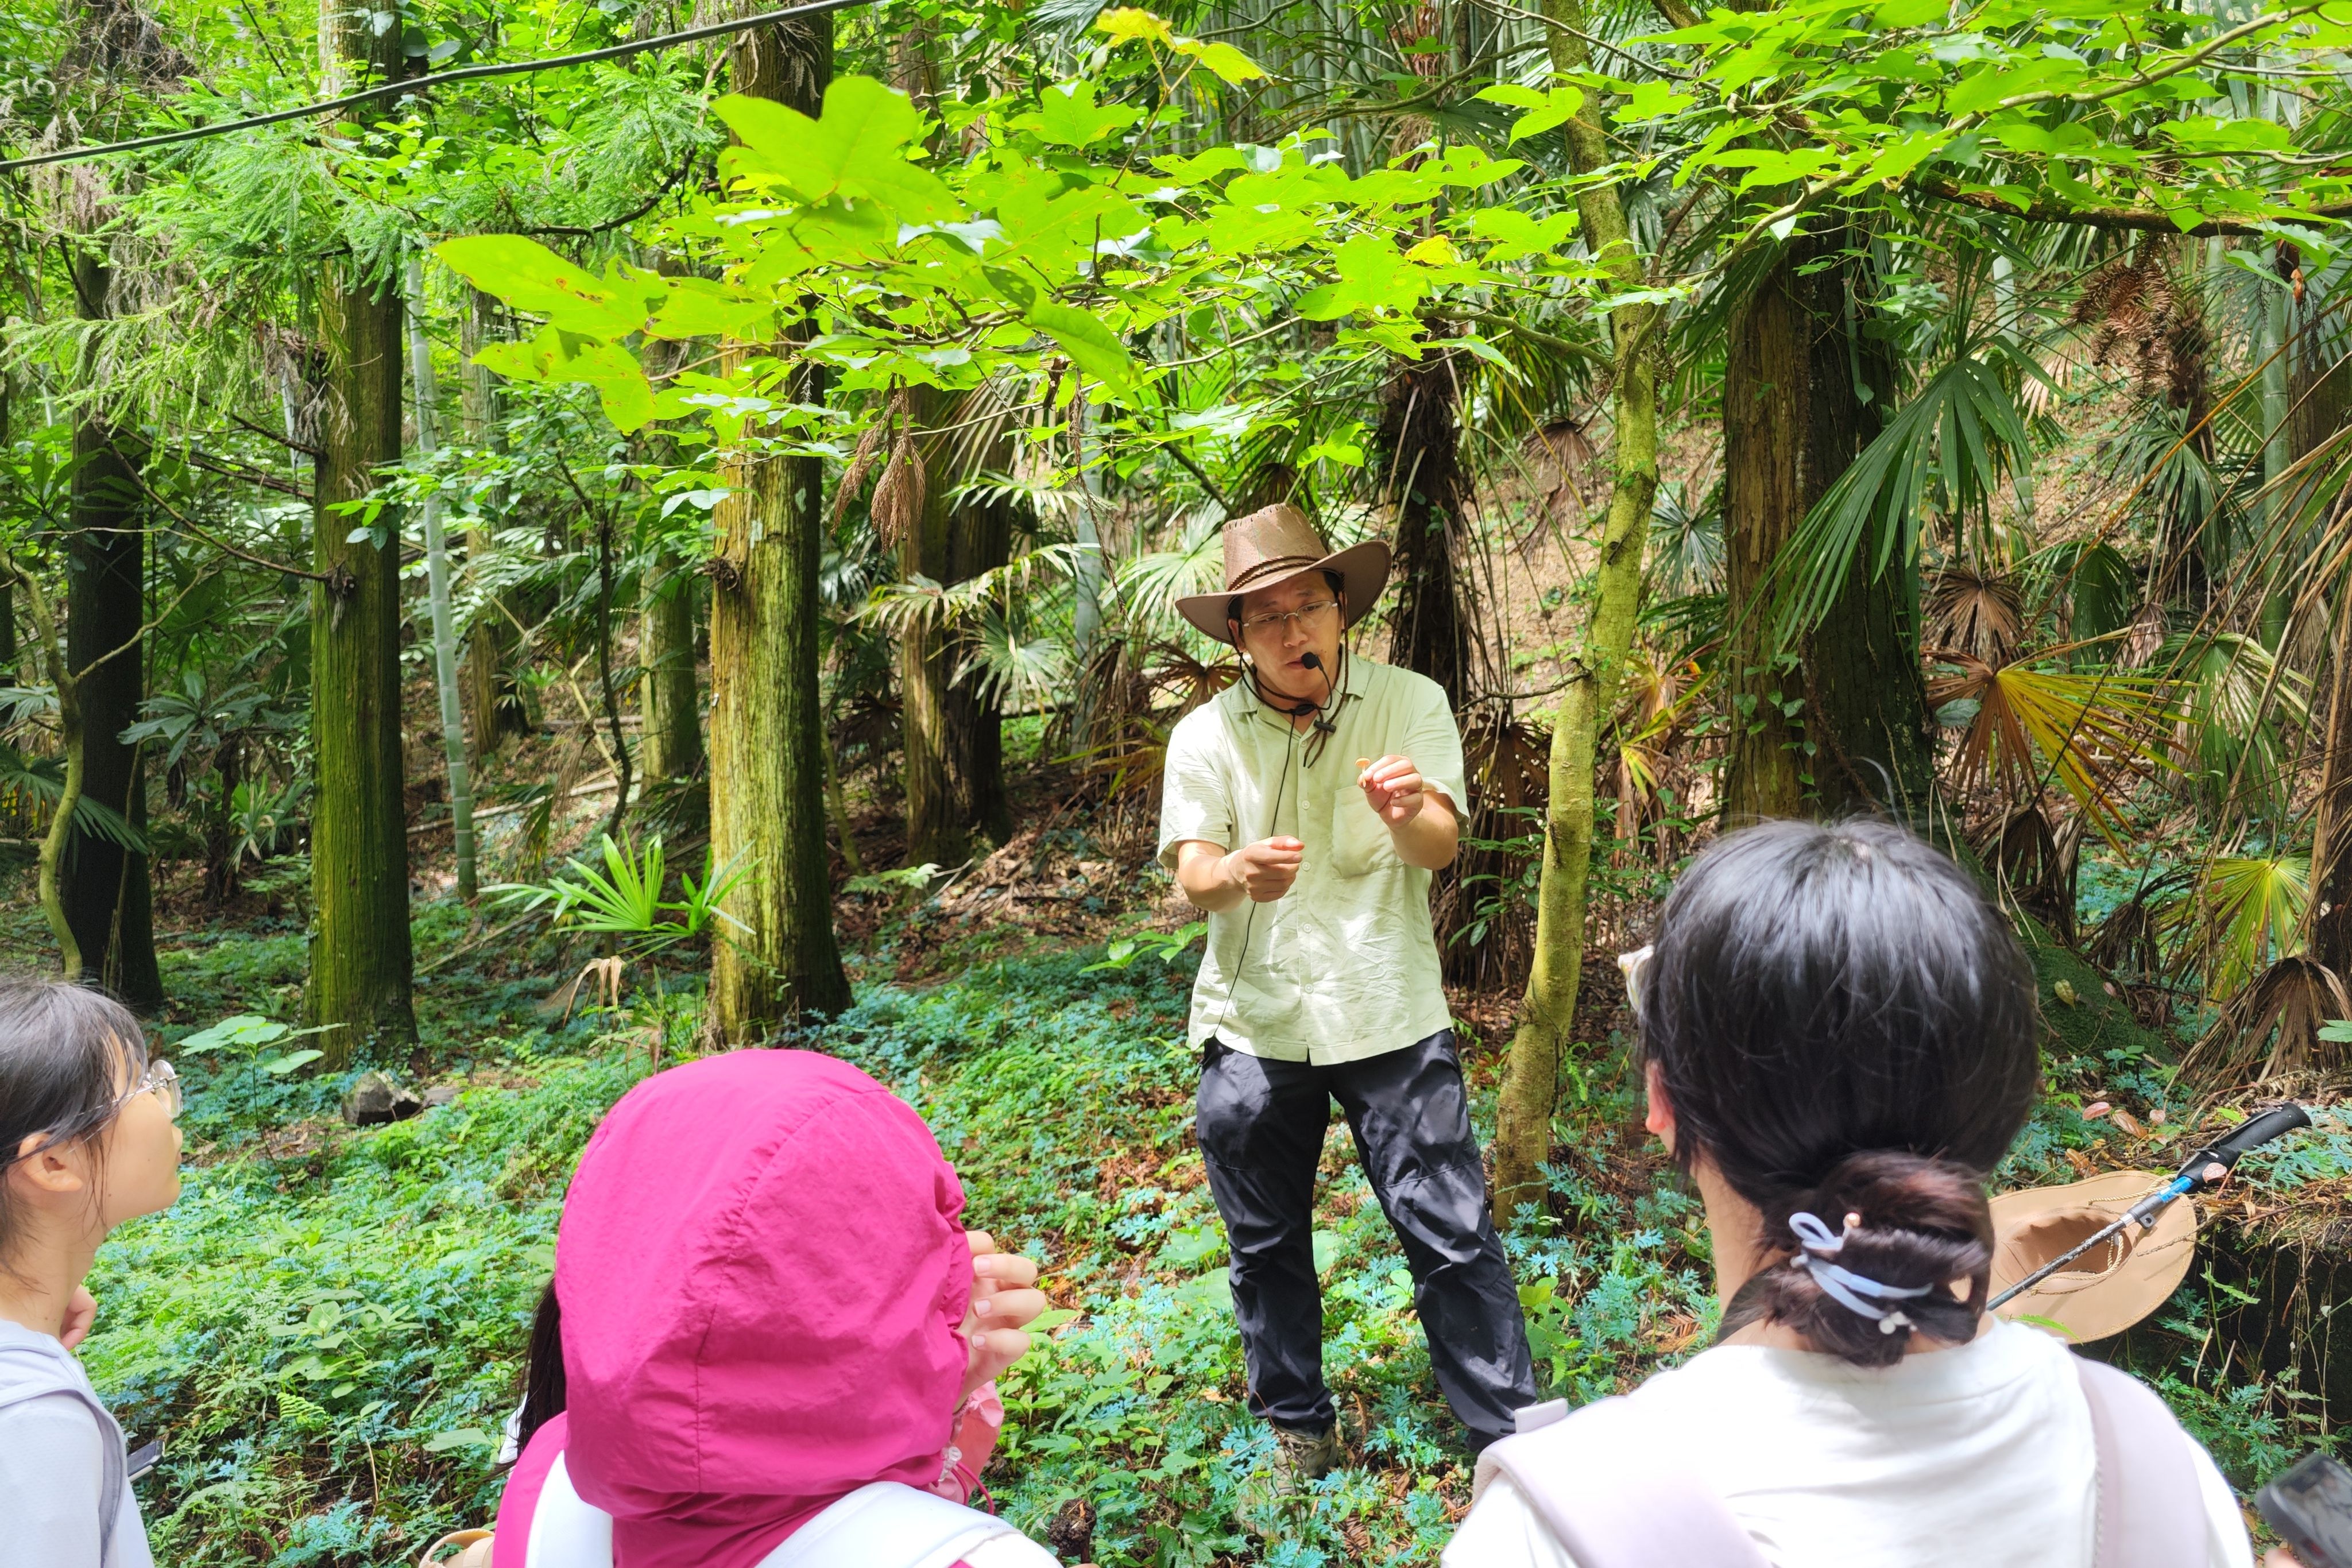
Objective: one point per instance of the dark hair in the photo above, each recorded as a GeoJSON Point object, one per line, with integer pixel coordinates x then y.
{"type": "Point", "coordinates": [542, 1376]}
{"type": "Point", "coordinates": [1339, 586]}
{"type": "Point", "coordinates": [1845, 1025]}
{"type": "Point", "coordinates": [67, 1054]}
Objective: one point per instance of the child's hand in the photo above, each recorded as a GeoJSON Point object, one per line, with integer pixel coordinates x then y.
{"type": "Point", "coordinates": [80, 1313]}
{"type": "Point", "coordinates": [1003, 1297]}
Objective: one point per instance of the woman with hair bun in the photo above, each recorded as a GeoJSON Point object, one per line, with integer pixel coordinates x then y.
{"type": "Point", "coordinates": [1838, 1031]}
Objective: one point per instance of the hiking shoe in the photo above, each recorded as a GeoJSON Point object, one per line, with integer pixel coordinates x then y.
{"type": "Point", "coordinates": [1271, 1496]}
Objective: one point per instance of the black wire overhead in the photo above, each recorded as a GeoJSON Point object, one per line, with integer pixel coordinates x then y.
{"type": "Point", "coordinates": [417, 84]}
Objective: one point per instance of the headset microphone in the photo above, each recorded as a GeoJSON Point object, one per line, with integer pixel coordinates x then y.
{"type": "Point", "coordinates": [1314, 661]}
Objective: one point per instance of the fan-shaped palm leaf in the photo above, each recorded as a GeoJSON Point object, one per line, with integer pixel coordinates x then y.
{"type": "Point", "coordinates": [2090, 733]}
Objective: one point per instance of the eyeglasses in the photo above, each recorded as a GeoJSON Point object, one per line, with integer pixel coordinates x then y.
{"type": "Point", "coordinates": [1633, 966]}
{"type": "Point", "coordinates": [164, 1079]}
{"type": "Point", "coordinates": [1279, 620]}
{"type": "Point", "coordinates": [161, 1077]}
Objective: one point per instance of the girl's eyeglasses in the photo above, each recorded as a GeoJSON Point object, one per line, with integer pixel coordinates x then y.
{"type": "Point", "coordinates": [1633, 966]}
{"type": "Point", "coordinates": [161, 1078]}
{"type": "Point", "coordinates": [164, 1079]}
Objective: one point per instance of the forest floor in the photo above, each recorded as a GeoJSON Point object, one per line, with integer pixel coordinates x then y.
{"type": "Point", "coordinates": [327, 1328]}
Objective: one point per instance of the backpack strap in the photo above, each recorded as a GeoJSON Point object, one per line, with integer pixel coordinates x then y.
{"type": "Point", "coordinates": [1596, 1480]}
{"type": "Point", "coordinates": [2151, 1508]}
{"type": "Point", "coordinates": [887, 1525]}
{"type": "Point", "coordinates": [113, 1465]}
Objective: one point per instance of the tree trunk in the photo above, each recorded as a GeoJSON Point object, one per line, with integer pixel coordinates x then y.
{"type": "Point", "coordinates": [672, 747]}
{"type": "Point", "coordinates": [445, 620]}
{"type": "Point", "coordinates": [488, 713]}
{"type": "Point", "coordinates": [104, 888]}
{"type": "Point", "coordinates": [666, 690]}
{"type": "Point", "coordinates": [2324, 403]}
{"type": "Point", "coordinates": [952, 734]}
{"type": "Point", "coordinates": [1421, 439]}
{"type": "Point", "coordinates": [1546, 1013]}
{"type": "Point", "coordinates": [767, 743]}
{"type": "Point", "coordinates": [1766, 489]}
{"type": "Point", "coordinates": [361, 966]}
{"type": "Point", "coordinates": [2331, 841]}
{"type": "Point", "coordinates": [1838, 722]}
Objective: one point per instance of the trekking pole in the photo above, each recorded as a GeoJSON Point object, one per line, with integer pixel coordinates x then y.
{"type": "Point", "coordinates": [2204, 1168]}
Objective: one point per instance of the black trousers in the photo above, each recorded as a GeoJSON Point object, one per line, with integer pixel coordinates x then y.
{"type": "Point", "coordinates": [1261, 1128]}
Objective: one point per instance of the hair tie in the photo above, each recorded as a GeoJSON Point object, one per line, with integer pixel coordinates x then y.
{"type": "Point", "coordinates": [1817, 1243]}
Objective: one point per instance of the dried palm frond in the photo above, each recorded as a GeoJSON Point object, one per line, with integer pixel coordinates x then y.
{"type": "Point", "coordinates": [1978, 613]}
{"type": "Point", "coordinates": [2271, 1028]}
{"type": "Point", "coordinates": [2036, 864]}
{"type": "Point", "coordinates": [1483, 906]}
{"type": "Point", "coordinates": [2092, 733]}
{"type": "Point", "coordinates": [1655, 707]}
{"type": "Point", "coordinates": [2135, 316]}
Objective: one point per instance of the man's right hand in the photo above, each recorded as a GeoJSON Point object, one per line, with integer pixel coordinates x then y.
{"type": "Point", "coordinates": [1266, 869]}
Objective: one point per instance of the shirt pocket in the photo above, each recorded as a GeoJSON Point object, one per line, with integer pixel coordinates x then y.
{"type": "Point", "coordinates": [1360, 843]}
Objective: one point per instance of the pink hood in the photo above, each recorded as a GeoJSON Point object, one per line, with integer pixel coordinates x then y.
{"type": "Point", "coordinates": [762, 1277]}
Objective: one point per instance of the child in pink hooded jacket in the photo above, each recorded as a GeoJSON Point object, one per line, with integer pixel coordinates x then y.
{"type": "Point", "coordinates": [767, 1353]}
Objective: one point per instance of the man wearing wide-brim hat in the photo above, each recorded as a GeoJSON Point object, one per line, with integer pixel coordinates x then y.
{"type": "Point", "coordinates": [1305, 808]}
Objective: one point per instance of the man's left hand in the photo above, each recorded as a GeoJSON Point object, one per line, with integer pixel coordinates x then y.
{"type": "Point", "coordinates": [1393, 786]}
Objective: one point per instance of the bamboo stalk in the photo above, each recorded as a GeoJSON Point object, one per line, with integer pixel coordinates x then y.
{"type": "Point", "coordinates": [436, 576]}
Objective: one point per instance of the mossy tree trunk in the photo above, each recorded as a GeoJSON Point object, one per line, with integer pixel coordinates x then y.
{"type": "Point", "coordinates": [767, 741]}
{"type": "Point", "coordinates": [667, 692]}
{"type": "Point", "coordinates": [1547, 1012]}
{"type": "Point", "coordinates": [361, 965]}
{"type": "Point", "coordinates": [103, 886]}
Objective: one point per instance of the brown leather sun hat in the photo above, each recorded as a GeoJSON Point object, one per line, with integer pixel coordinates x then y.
{"type": "Point", "coordinates": [2114, 1284]}
{"type": "Point", "coordinates": [1275, 544]}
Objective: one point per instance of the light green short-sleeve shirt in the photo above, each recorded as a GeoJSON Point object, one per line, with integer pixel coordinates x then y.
{"type": "Point", "coordinates": [1343, 966]}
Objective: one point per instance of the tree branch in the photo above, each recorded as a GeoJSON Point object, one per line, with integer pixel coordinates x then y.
{"type": "Point", "coordinates": [228, 468]}
{"type": "Point", "coordinates": [2134, 218]}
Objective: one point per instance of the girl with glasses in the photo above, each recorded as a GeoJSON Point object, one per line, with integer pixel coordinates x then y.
{"type": "Point", "coordinates": [87, 1141]}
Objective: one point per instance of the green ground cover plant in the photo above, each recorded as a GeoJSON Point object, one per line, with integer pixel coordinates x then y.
{"type": "Point", "coordinates": [328, 1329]}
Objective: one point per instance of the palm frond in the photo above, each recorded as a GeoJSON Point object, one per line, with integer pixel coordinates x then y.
{"type": "Point", "coordinates": [1946, 450]}
{"type": "Point", "coordinates": [2090, 733]}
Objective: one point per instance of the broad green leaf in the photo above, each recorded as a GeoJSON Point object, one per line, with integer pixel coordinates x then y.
{"type": "Point", "coordinates": [243, 1029]}
{"type": "Point", "coordinates": [1126, 23]}
{"type": "Point", "coordinates": [619, 380]}
{"type": "Point", "coordinates": [1202, 167]}
{"type": "Point", "coordinates": [699, 308]}
{"type": "Point", "coordinates": [1911, 13]}
{"type": "Point", "coordinates": [1646, 101]}
{"type": "Point", "coordinates": [1517, 235]}
{"type": "Point", "coordinates": [1068, 116]}
{"type": "Point", "coordinates": [531, 277]}
{"type": "Point", "coordinates": [856, 148]}
{"type": "Point", "coordinates": [529, 359]}
{"type": "Point", "coordinates": [462, 1437]}
{"type": "Point", "coordinates": [1372, 276]}
{"type": "Point", "coordinates": [1228, 64]}
{"type": "Point", "coordinates": [1094, 347]}
{"type": "Point", "coordinates": [1511, 94]}
{"type": "Point", "coordinates": [280, 1066]}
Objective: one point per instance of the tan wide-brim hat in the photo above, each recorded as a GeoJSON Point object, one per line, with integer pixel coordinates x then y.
{"type": "Point", "coordinates": [2114, 1284]}
{"type": "Point", "coordinates": [1275, 544]}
